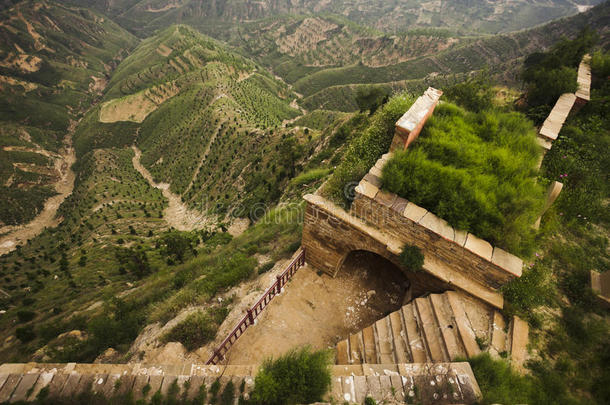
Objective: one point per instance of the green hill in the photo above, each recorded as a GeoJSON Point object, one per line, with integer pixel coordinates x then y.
{"type": "Point", "coordinates": [192, 106]}
{"type": "Point", "coordinates": [54, 61]}
{"type": "Point", "coordinates": [145, 16]}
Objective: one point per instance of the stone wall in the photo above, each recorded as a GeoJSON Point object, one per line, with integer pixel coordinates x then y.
{"type": "Point", "coordinates": [330, 234]}
{"type": "Point", "coordinates": [411, 224]}
{"type": "Point", "coordinates": [412, 122]}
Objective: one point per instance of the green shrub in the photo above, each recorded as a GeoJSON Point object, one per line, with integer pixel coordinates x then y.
{"type": "Point", "coordinates": [309, 177]}
{"type": "Point", "coordinates": [176, 245]}
{"type": "Point", "coordinates": [134, 260]}
{"type": "Point", "coordinates": [370, 97]}
{"type": "Point", "coordinates": [475, 170]}
{"type": "Point", "coordinates": [298, 377]}
{"type": "Point", "coordinates": [193, 332]}
{"type": "Point", "coordinates": [228, 394]}
{"type": "Point", "coordinates": [25, 315]}
{"type": "Point", "coordinates": [265, 267]}
{"type": "Point", "coordinates": [600, 66]}
{"type": "Point", "coordinates": [532, 290]}
{"type": "Point", "coordinates": [549, 75]}
{"type": "Point", "coordinates": [499, 383]}
{"type": "Point", "coordinates": [474, 94]}
{"type": "Point", "coordinates": [412, 258]}
{"type": "Point", "coordinates": [25, 334]}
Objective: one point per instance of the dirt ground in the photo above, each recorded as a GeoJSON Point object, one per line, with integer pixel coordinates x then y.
{"type": "Point", "coordinates": [177, 214]}
{"type": "Point", "coordinates": [319, 310]}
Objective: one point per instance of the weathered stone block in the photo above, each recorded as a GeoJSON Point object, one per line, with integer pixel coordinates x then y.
{"type": "Point", "coordinates": [367, 189]}
{"type": "Point", "coordinates": [507, 261]}
{"type": "Point", "coordinates": [479, 246]}
{"type": "Point", "coordinates": [438, 225]}
{"type": "Point", "coordinates": [414, 212]}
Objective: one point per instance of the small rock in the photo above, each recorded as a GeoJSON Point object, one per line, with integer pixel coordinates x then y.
{"type": "Point", "coordinates": [108, 357]}
{"type": "Point", "coordinates": [370, 293]}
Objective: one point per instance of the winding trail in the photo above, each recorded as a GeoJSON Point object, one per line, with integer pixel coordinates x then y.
{"type": "Point", "coordinates": [177, 214]}
{"type": "Point", "coordinates": [13, 236]}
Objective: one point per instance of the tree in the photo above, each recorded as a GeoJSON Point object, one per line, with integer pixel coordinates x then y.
{"type": "Point", "coordinates": [134, 261]}
{"type": "Point", "coordinates": [370, 98]}
{"type": "Point", "coordinates": [475, 94]}
{"type": "Point", "coordinates": [176, 245]}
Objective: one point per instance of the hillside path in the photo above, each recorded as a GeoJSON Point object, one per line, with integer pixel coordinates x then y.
{"type": "Point", "coordinates": [177, 214]}
{"type": "Point", "coordinates": [13, 236]}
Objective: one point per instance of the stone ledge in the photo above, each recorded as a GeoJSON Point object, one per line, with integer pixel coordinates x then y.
{"type": "Point", "coordinates": [554, 122]}
{"type": "Point", "coordinates": [438, 225]}
{"type": "Point", "coordinates": [479, 247]}
{"type": "Point", "coordinates": [507, 261]}
{"type": "Point", "coordinates": [418, 111]}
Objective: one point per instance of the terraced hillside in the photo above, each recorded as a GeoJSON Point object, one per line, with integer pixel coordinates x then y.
{"type": "Point", "coordinates": [192, 107]}
{"type": "Point", "coordinates": [500, 53]}
{"type": "Point", "coordinates": [390, 16]}
{"type": "Point", "coordinates": [54, 63]}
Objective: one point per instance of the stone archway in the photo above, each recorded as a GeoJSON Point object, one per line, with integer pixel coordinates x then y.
{"type": "Point", "coordinates": [381, 273]}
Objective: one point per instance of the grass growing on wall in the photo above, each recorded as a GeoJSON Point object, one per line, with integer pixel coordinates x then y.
{"type": "Point", "coordinates": [366, 148]}
{"type": "Point", "coordinates": [475, 170]}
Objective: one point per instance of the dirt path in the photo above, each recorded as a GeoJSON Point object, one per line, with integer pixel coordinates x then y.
{"type": "Point", "coordinates": [177, 214]}
{"type": "Point", "coordinates": [319, 311]}
{"type": "Point", "coordinates": [13, 236]}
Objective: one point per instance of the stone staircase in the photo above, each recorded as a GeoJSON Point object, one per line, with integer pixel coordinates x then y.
{"type": "Point", "coordinates": [440, 383]}
{"type": "Point", "coordinates": [437, 328]}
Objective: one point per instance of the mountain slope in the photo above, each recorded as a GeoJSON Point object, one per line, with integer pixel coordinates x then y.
{"type": "Point", "coordinates": [53, 64]}
{"type": "Point", "coordinates": [391, 16]}
{"type": "Point", "coordinates": [191, 106]}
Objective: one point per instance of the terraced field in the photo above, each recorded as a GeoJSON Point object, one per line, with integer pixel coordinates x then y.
{"type": "Point", "coordinates": [389, 16]}
{"type": "Point", "coordinates": [53, 64]}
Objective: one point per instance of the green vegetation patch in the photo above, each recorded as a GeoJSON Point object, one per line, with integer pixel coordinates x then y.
{"type": "Point", "coordinates": [475, 170]}
{"type": "Point", "coordinates": [366, 148]}
{"type": "Point", "coordinates": [298, 377]}
{"type": "Point", "coordinates": [197, 329]}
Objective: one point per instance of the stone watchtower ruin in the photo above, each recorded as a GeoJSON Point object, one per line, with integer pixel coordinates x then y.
{"type": "Point", "coordinates": [382, 223]}
{"type": "Point", "coordinates": [453, 303]}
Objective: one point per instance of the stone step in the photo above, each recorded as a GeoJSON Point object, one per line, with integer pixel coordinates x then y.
{"type": "Point", "coordinates": [401, 348]}
{"type": "Point", "coordinates": [432, 334]}
{"type": "Point", "coordinates": [449, 383]}
{"type": "Point", "coordinates": [518, 339]}
{"type": "Point", "coordinates": [444, 317]}
{"type": "Point", "coordinates": [356, 349]}
{"type": "Point", "coordinates": [462, 323]}
{"type": "Point", "coordinates": [23, 387]}
{"type": "Point", "coordinates": [414, 335]}
{"type": "Point", "coordinates": [385, 354]}
{"type": "Point", "coordinates": [10, 384]}
{"type": "Point", "coordinates": [437, 328]}
{"type": "Point", "coordinates": [498, 340]}
{"type": "Point", "coordinates": [343, 352]}
{"type": "Point", "coordinates": [370, 350]}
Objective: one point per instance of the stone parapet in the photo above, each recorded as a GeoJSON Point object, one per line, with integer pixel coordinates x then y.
{"type": "Point", "coordinates": [418, 382]}
{"type": "Point", "coordinates": [412, 224]}
{"type": "Point", "coordinates": [411, 123]}
{"type": "Point", "coordinates": [584, 79]}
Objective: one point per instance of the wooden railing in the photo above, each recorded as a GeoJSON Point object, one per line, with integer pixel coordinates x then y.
{"type": "Point", "coordinates": [255, 311]}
